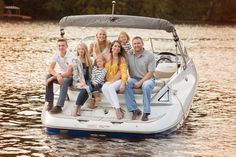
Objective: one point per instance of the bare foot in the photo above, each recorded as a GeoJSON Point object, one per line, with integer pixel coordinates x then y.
{"type": "Point", "coordinates": [77, 110]}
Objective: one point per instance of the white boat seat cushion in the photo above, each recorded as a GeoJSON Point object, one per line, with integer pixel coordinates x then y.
{"type": "Point", "coordinates": [165, 70]}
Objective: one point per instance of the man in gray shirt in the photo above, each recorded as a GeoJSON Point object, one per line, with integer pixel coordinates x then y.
{"type": "Point", "coordinates": [141, 65]}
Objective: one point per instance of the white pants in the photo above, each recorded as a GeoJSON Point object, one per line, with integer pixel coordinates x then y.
{"type": "Point", "coordinates": [109, 90]}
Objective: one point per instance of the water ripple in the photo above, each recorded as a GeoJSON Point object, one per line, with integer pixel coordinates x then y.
{"type": "Point", "coordinates": [208, 131]}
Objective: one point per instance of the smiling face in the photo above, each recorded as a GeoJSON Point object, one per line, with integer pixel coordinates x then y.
{"type": "Point", "coordinates": [116, 47]}
{"type": "Point", "coordinates": [100, 62]}
{"type": "Point", "coordinates": [62, 46]}
{"type": "Point", "coordinates": [101, 35]}
{"type": "Point", "coordinates": [123, 38]}
{"type": "Point", "coordinates": [137, 44]}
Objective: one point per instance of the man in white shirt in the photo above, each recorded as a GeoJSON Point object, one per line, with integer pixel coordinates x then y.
{"type": "Point", "coordinates": [63, 77]}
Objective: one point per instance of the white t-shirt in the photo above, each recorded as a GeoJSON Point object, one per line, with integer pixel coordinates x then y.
{"type": "Point", "coordinates": [63, 62]}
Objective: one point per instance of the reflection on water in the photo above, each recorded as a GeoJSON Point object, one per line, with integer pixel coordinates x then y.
{"type": "Point", "coordinates": [208, 131]}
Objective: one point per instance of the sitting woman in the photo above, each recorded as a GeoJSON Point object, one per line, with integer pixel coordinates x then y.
{"type": "Point", "coordinates": [81, 76]}
{"type": "Point", "coordinates": [101, 45]}
{"type": "Point", "coordinates": [116, 76]}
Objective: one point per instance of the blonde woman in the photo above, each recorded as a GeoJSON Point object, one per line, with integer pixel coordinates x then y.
{"type": "Point", "coordinates": [81, 75]}
{"type": "Point", "coordinates": [116, 76]}
{"type": "Point", "coordinates": [101, 45]}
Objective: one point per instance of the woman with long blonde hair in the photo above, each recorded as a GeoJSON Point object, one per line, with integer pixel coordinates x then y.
{"type": "Point", "coordinates": [82, 67]}
{"type": "Point", "coordinates": [101, 45]}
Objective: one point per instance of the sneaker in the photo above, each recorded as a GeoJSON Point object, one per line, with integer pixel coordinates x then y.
{"type": "Point", "coordinates": [56, 109]}
{"type": "Point", "coordinates": [145, 116]}
{"type": "Point", "coordinates": [136, 114]}
{"type": "Point", "coordinates": [49, 106]}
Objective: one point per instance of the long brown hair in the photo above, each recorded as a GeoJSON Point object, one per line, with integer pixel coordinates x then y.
{"type": "Point", "coordinates": [120, 54]}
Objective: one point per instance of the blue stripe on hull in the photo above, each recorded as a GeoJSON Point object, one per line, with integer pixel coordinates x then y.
{"type": "Point", "coordinates": [82, 133]}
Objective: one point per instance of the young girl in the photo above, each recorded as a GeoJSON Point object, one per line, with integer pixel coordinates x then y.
{"type": "Point", "coordinates": [81, 76]}
{"type": "Point", "coordinates": [98, 79]}
{"type": "Point", "coordinates": [123, 38]}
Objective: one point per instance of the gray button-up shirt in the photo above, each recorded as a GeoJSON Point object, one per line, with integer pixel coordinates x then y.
{"type": "Point", "coordinates": [139, 65]}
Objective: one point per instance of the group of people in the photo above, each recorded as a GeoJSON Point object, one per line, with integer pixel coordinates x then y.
{"type": "Point", "coordinates": [117, 67]}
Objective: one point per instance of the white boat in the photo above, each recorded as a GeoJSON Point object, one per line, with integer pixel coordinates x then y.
{"type": "Point", "coordinates": [176, 83]}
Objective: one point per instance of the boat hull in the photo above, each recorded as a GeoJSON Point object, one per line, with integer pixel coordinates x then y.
{"type": "Point", "coordinates": [166, 116]}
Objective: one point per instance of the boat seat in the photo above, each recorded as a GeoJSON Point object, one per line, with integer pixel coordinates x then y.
{"type": "Point", "coordinates": [165, 70]}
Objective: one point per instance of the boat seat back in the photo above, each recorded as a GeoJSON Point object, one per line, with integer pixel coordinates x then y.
{"type": "Point", "coordinates": [165, 70]}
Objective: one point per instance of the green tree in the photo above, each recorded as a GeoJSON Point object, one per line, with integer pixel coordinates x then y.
{"type": "Point", "coordinates": [1, 6]}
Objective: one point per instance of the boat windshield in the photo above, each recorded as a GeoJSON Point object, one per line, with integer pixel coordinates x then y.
{"type": "Point", "coordinates": [155, 45]}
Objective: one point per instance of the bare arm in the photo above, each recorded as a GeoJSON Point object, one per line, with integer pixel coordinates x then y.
{"type": "Point", "coordinates": [51, 69]}
{"type": "Point", "coordinates": [59, 77]}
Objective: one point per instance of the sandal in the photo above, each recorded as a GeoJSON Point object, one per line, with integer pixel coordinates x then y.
{"type": "Point", "coordinates": [92, 103]}
{"type": "Point", "coordinates": [119, 113]}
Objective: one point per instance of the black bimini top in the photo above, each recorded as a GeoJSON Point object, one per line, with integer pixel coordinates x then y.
{"type": "Point", "coordinates": [123, 21]}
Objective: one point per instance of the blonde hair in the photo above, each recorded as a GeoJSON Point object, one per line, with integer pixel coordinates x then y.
{"type": "Point", "coordinates": [124, 33]}
{"type": "Point", "coordinates": [96, 44]}
{"type": "Point", "coordinates": [86, 55]}
{"type": "Point", "coordinates": [98, 57]}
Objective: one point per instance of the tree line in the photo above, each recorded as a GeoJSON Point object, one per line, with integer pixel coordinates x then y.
{"type": "Point", "coordinates": [177, 10]}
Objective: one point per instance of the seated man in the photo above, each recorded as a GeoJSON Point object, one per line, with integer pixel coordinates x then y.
{"type": "Point", "coordinates": [63, 77]}
{"type": "Point", "coordinates": [141, 66]}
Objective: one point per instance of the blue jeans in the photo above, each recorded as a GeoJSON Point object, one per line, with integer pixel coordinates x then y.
{"type": "Point", "coordinates": [63, 90]}
{"type": "Point", "coordinates": [147, 88]}
{"type": "Point", "coordinates": [83, 94]}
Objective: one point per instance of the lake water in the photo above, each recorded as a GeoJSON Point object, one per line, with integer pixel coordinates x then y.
{"type": "Point", "coordinates": [210, 129]}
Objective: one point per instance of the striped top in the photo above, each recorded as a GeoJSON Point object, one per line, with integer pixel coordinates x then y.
{"type": "Point", "coordinates": [126, 46]}
{"type": "Point", "coordinates": [98, 75]}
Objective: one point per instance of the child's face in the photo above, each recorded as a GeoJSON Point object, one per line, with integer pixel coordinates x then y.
{"type": "Point", "coordinates": [100, 63]}
{"type": "Point", "coordinates": [123, 38]}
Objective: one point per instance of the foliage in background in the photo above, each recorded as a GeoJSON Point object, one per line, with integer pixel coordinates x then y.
{"type": "Point", "coordinates": [181, 10]}
{"type": "Point", "coordinates": [1, 6]}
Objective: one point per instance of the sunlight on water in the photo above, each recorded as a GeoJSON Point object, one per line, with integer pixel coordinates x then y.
{"type": "Point", "coordinates": [209, 130]}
